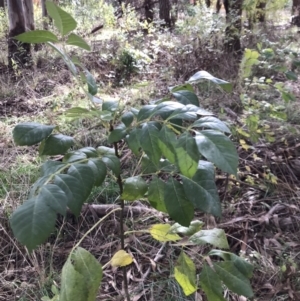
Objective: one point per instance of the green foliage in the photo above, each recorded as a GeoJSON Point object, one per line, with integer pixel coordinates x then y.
{"type": "Point", "coordinates": [81, 277]}
{"type": "Point", "coordinates": [31, 133]}
{"type": "Point", "coordinates": [76, 40]}
{"type": "Point", "coordinates": [201, 75]}
{"type": "Point", "coordinates": [258, 69]}
{"type": "Point", "coordinates": [185, 274]}
{"type": "Point", "coordinates": [63, 21]}
{"type": "Point", "coordinates": [233, 270]}
{"type": "Point", "coordinates": [176, 144]}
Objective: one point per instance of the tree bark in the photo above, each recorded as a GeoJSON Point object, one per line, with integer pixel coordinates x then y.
{"type": "Point", "coordinates": [174, 12]}
{"type": "Point", "coordinates": [296, 7]}
{"type": "Point", "coordinates": [18, 53]}
{"type": "Point", "coordinates": [149, 13]}
{"type": "Point", "coordinates": [44, 15]}
{"type": "Point", "coordinates": [296, 13]}
{"type": "Point", "coordinates": [261, 11]}
{"type": "Point", "coordinates": [28, 14]}
{"type": "Point", "coordinates": [165, 12]}
{"type": "Point", "coordinates": [234, 25]}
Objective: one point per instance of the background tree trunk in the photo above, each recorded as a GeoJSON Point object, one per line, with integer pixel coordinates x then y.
{"type": "Point", "coordinates": [149, 13]}
{"type": "Point", "coordinates": [2, 3]}
{"type": "Point", "coordinates": [165, 12]}
{"type": "Point", "coordinates": [18, 52]}
{"type": "Point", "coordinates": [261, 11]}
{"type": "Point", "coordinates": [296, 12]}
{"type": "Point", "coordinates": [174, 12]}
{"type": "Point", "coordinates": [234, 25]}
{"type": "Point", "coordinates": [296, 7]}
{"type": "Point", "coordinates": [28, 14]}
{"type": "Point", "coordinates": [44, 14]}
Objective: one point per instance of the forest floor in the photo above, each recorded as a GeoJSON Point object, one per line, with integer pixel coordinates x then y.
{"type": "Point", "coordinates": [261, 210]}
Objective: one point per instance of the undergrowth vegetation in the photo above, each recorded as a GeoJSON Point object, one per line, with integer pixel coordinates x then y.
{"type": "Point", "coordinates": [144, 172]}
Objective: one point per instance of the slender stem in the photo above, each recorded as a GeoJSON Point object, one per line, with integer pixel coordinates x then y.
{"type": "Point", "coordinates": [122, 204]}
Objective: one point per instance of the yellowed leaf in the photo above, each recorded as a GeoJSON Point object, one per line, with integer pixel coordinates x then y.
{"type": "Point", "coordinates": [121, 259]}
{"type": "Point", "coordinates": [161, 232]}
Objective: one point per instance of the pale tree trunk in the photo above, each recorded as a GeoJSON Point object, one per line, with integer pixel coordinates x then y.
{"type": "Point", "coordinates": [174, 12]}
{"type": "Point", "coordinates": [234, 25]}
{"type": "Point", "coordinates": [296, 12]}
{"type": "Point", "coordinates": [28, 14]}
{"type": "Point", "coordinates": [18, 53]}
{"type": "Point", "coordinates": [44, 14]}
{"type": "Point", "coordinates": [165, 12]}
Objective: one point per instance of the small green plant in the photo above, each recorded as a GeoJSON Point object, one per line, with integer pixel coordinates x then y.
{"type": "Point", "coordinates": [176, 145]}
{"type": "Point", "coordinates": [258, 111]}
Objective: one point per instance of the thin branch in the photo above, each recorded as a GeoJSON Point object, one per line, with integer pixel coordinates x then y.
{"type": "Point", "coordinates": [122, 203]}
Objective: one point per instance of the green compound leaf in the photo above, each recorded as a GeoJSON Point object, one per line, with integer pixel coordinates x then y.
{"type": "Point", "coordinates": [134, 188]}
{"type": "Point", "coordinates": [211, 284]}
{"type": "Point", "coordinates": [149, 142]}
{"type": "Point", "coordinates": [233, 278]}
{"type": "Point", "coordinates": [89, 151]}
{"type": "Point", "coordinates": [241, 264]}
{"type": "Point", "coordinates": [81, 277]}
{"type": "Point", "coordinates": [34, 220]}
{"type": "Point", "coordinates": [63, 21]}
{"type": "Point", "coordinates": [36, 37]}
{"type": "Point", "coordinates": [211, 123]}
{"type": "Point", "coordinates": [187, 155]}
{"type": "Point", "coordinates": [99, 170]}
{"type": "Point", "coordinates": [201, 190]}
{"type": "Point", "coordinates": [74, 191]}
{"type": "Point", "coordinates": [55, 145]}
{"type": "Point", "coordinates": [110, 105]}
{"type": "Point", "coordinates": [85, 175]}
{"type": "Point", "coordinates": [75, 40]}
{"type": "Point", "coordinates": [181, 87]}
{"type": "Point", "coordinates": [156, 194]}
{"type": "Point", "coordinates": [127, 118]}
{"type": "Point", "coordinates": [177, 205]}
{"type": "Point", "coordinates": [215, 237]}
{"type": "Point", "coordinates": [161, 232]}
{"type": "Point", "coordinates": [145, 112]}
{"type": "Point", "coordinates": [74, 156]}
{"type": "Point", "coordinates": [113, 163]}
{"type": "Point", "coordinates": [30, 133]}
{"type": "Point", "coordinates": [117, 134]}
{"type": "Point", "coordinates": [218, 149]}
{"type": "Point", "coordinates": [133, 140]}
{"type": "Point", "coordinates": [201, 75]}
{"type": "Point", "coordinates": [167, 143]}
{"type": "Point", "coordinates": [186, 97]}
{"type": "Point", "coordinates": [51, 167]}
{"type": "Point", "coordinates": [185, 274]}
{"type": "Point", "coordinates": [91, 83]}
{"type": "Point", "coordinates": [194, 227]}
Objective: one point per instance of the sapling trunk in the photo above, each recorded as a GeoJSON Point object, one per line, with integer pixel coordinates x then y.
{"type": "Point", "coordinates": [122, 203]}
